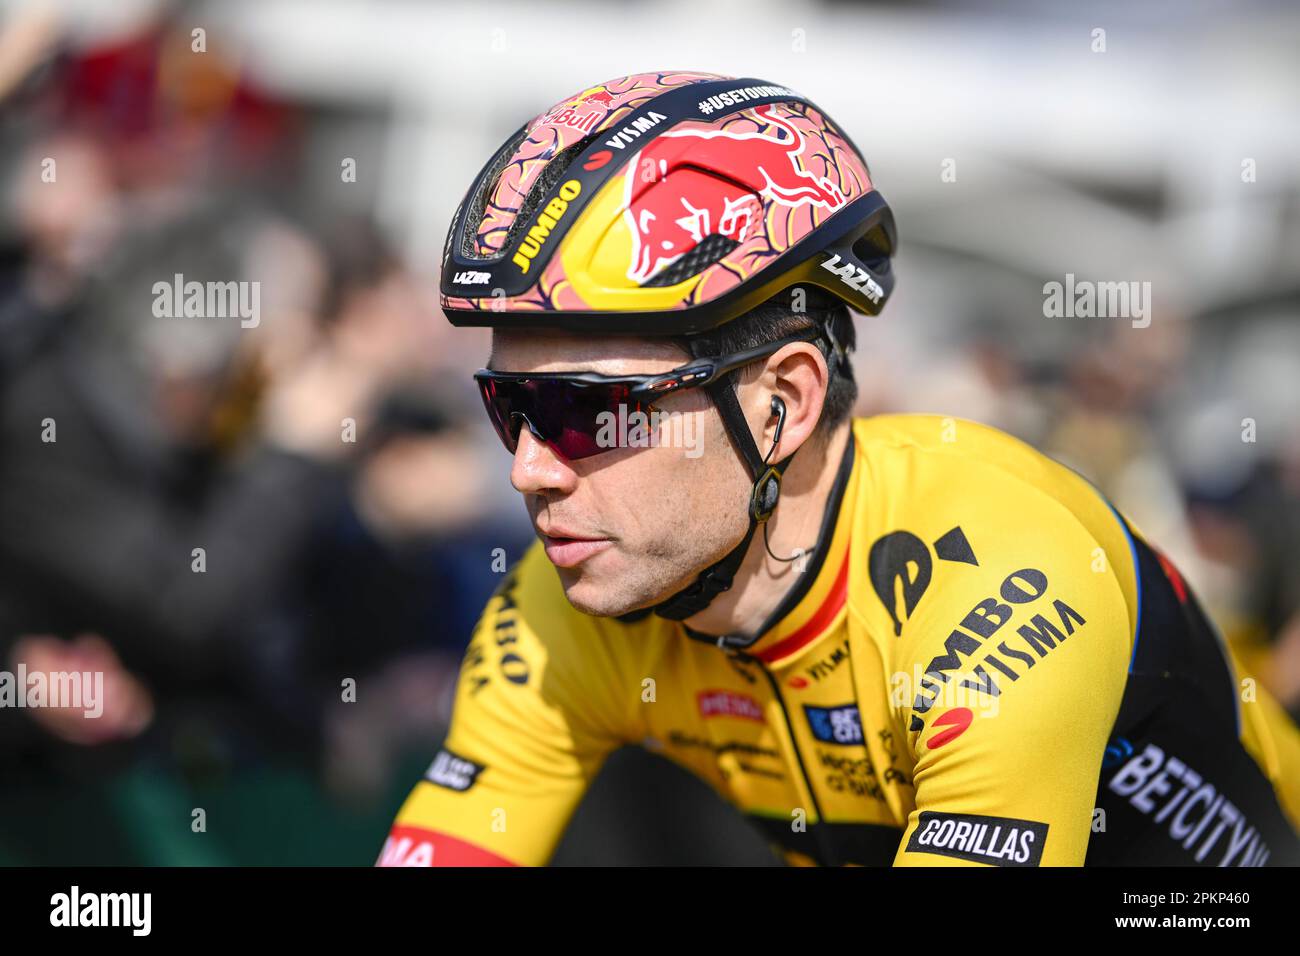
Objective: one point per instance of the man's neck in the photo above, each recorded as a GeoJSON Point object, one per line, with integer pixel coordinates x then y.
{"type": "Point", "coordinates": [762, 582]}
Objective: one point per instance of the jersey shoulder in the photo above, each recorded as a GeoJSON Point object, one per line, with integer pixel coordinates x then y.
{"type": "Point", "coordinates": [958, 516]}
{"type": "Point", "coordinates": [997, 587]}
{"type": "Point", "coordinates": [949, 443]}
{"type": "Point", "coordinates": [545, 693]}
{"type": "Point", "coordinates": [919, 465]}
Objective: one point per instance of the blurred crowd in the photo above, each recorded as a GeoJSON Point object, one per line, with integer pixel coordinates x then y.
{"type": "Point", "coordinates": [179, 511]}
{"type": "Point", "coordinates": [319, 458]}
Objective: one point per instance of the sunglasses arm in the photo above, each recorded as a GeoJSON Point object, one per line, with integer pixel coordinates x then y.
{"type": "Point", "coordinates": [702, 373]}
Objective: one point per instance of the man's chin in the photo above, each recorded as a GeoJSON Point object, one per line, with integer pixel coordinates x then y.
{"type": "Point", "coordinates": [602, 595]}
{"type": "Point", "coordinates": [592, 598]}
{"type": "Point", "coordinates": [603, 586]}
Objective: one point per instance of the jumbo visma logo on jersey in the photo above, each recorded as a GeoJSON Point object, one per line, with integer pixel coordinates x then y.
{"type": "Point", "coordinates": [900, 562]}
{"type": "Point", "coordinates": [901, 569]}
{"type": "Point", "coordinates": [500, 631]}
{"type": "Point", "coordinates": [1011, 658]}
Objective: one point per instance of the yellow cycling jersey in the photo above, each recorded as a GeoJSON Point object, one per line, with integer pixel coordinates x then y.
{"type": "Point", "coordinates": [981, 663]}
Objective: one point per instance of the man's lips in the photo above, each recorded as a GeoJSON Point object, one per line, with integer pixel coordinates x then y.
{"type": "Point", "coordinates": [565, 550]}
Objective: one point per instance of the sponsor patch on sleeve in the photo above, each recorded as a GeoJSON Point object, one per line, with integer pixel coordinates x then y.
{"type": "Point", "coordinates": [835, 725]}
{"type": "Point", "coordinates": [453, 771]}
{"type": "Point", "coordinates": [998, 841]}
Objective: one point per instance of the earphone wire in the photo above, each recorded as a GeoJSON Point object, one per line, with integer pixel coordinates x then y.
{"type": "Point", "coordinates": [837, 351]}
{"type": "Point", "coordinates": [775, 557]}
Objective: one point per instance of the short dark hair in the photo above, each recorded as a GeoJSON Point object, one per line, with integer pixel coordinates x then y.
{"type": "Point", "coordinates": [779, 317]}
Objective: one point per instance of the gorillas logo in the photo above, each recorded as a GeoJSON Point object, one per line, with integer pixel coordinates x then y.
{"type": "Point", "coordinates": [900, 557]}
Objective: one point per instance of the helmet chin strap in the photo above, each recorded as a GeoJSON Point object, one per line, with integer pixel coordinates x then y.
{"type": "Point", "coordinates": [765, 493]}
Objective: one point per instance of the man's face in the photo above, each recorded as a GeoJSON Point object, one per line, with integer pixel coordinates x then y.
{"type": "Point", "coordinates": [630, 526]}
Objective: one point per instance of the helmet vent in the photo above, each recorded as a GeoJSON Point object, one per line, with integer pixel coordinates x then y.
{"type": "Point", "coordinates": [705, 254]}
{"type": "Point", "coordinates": [478, 202]}
{"type": "Point", "coordinates": [874, 250]}
{"type": "Point", "coordinates": [551, 177]}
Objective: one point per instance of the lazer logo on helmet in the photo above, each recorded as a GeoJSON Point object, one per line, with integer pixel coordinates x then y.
{"type": "Point", "coordinates": [547, 220]}
{"type": "Point", "coordinates": [470, 277]}
{"type": "Point", "coordinates": [854, 277]}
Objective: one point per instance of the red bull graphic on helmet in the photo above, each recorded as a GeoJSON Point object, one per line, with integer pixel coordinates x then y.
{"type": "Point", "coordinates": [667, 223]}
{"type": "Point", "coordinates": [582, 112]}
{"type": "Point", "coordinates": [792, 182]}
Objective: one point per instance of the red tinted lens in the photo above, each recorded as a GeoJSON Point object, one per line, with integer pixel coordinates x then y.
{"type": "Point", "coordinates": [497, 401]}
{"type": "Point", "coordinates": [578, 421]}
{"type": "Point", "coordinates": [575, 420]}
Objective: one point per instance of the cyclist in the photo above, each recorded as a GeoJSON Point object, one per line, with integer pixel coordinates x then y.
{"type": "Point", "coordinates": [903, 639]}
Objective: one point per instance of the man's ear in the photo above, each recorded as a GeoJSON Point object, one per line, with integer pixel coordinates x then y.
{"type": "Point", "coordinates": [798, 376]}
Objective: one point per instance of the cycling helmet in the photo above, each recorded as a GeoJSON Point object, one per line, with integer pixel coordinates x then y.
{"type": "Point", "coordinates": [668, 204]}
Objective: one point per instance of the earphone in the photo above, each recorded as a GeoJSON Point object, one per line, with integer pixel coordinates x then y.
{"type": "Point", "coordinates": [778, 409]}
{"type": "Point", "coordinates": [767, 489]}
{"type": "Point", "coordinates": [771, 490]}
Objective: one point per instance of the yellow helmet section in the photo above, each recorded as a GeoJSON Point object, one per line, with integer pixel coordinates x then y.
{"type": "Point", "coordinates": [596, 253]}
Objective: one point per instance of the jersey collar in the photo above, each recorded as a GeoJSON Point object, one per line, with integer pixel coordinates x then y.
{"type": "Point", "coordinates": [817, 600]}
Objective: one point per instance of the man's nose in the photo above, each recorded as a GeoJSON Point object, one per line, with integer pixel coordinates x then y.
{"type": "Point", "coordinates": [537, 469]}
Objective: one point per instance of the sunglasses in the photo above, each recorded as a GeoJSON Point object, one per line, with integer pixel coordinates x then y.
{"type": "Point", "coordinates": [567, 411]}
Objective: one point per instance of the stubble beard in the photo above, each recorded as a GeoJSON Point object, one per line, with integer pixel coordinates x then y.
{"type": "Point", "coordinates": [660, 568]}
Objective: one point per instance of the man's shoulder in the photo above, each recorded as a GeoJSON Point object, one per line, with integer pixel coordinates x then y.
{"type": "Point", "coordinates": [958, 519]}
{"type": "Point", "coordinates": [543, 692]}
{"type": "Point", "coordinates": [949, 437]}
{"type": "Point", "coordinates": [915, 462]}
